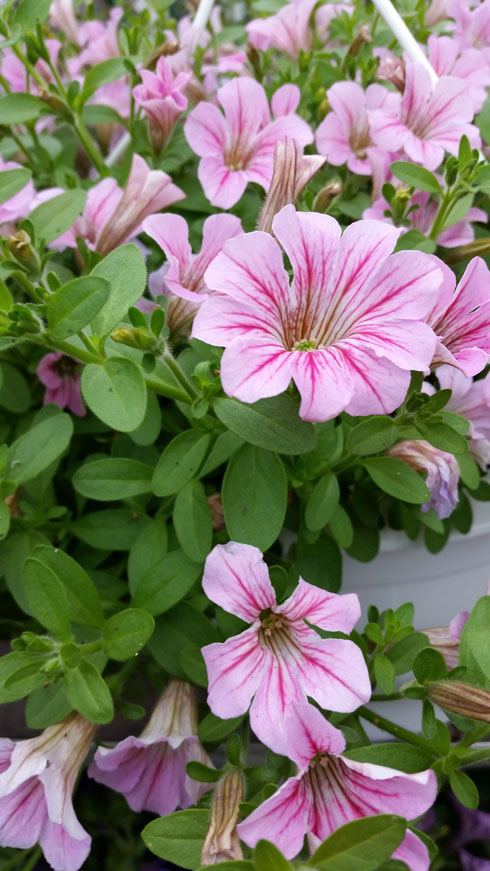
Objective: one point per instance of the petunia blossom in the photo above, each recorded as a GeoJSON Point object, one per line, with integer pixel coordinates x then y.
{"type": "Point", "coordinates": [472, 28]}
{"type": "Point", "coordinates": [348, 330]}
{"type": "Point", "coordinates": [441, 470]}
{"type": "Point", "coordinates": [469, 65]}
{"type": "Point", "coordinates": [445, 639]}
{"type": "Point", "coordinates": [279, 659]}
{"type": "Point", "coordinates": [427, 120]}
{"type": "Point", "coordinates": [461, 319]}
{"type": "Point", "coordinates": [288, 30]}
{"type": "Point", "coordinates": [61, 376]}
{"type": "Point", "coordinates": [238, 147]}
{"type": "Point", "coordinates": [331, 790]}
{"type": "Point", "coordinates": [37, 778]}
{"type": "Point", "coordinates": [344, 134]}
{"type": "Point", "coordinates": [161, 95]}
{"type": "Point", "coordinates": [98, 41]}
{"type": "Point", "coordinates": [150, 770]}
{"type": "Point", "coordinates": [184, 277]}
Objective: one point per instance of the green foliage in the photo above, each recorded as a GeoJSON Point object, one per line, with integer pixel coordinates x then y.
{"type": "Point", "coordinates": [362, 844]}
{"type": "Point", "coordinates": [178, 837]}
{"type": "Point", "coordinates": [55, 216]}
{"type": "Point", "coordinates": [116, 392]}
{"type": "Point", "coordinates": [254, 496]}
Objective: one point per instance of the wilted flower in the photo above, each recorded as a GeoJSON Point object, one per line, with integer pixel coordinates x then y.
{"type": "Point", "coordinates": [37, 778]}
{"type": "Point", "coordinates": [461, 698]}
{"type": "Point", "coordinates": [441, 468]}
{"type": "Point", "coordinates": [347, 330]}
{"type": "Point", "coordinates": [239, 147]}
{"type": "Point", "coordinates": [184, 275]}
{"type": "Point", "coordinates": [221, 842]}
{"type": "Point", "coordinates": [279, 659]}
{"type": "Point", "coordinates": [331, 790]}
{"type": "Point", "coordinates": [292, 172]}
{"type": "Point", "coordinates": [461, 319]}
{"type": "Point", "coordinates": [150, 770]}
{"type": "Point", "coordinates": [61, 376]}
{"type": "Point", "coordinates": [427, 120]}
{"type": "Point", "coordinates": [162, 97]}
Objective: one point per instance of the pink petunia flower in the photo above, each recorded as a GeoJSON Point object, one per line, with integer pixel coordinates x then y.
{"type": "Point", "coordinates": [426, 121]}
{"type": "Point", "coordinates": [288, 30]}
{"type": "Point", "coordinates": [239, 147]}
{"type": "Point", "coordinates": [150, 770]}
{"type": "Point", "coordinates": [445, 639]}
{"type": "Point", "coordinates": [344, 134]}
{"type": "Point", "coordinates": [472, 25]}
{"type": "Point", "coordinates": [279, 659]}
{"type": "Point", "coordinates": [184, 277]}
{"type": "Point", "coordinates": [470, 399]}
{"type": "Point", "coordinates": [440, 468]}
{"type": "Point", "coordinates": [162, 97]}
{"type": "Point", "coordinates": [61, 376]}
{"type": "Point", "coordinates": [470, 66]}
{"type": "Point", "coordinates": [20, 204]}
{"type": "Point", "coordinates": [348, 330]}
{"type": "Point", "coordinates": [461, 319]}
{"type": "Point", "coordinates": [422, 219]}
{"type": "Point", "coordinates": [62, 17]}
{"type": "Point", "coordinates": [98, 41]}
{"type": "Point", "coordinates": [37, 778]}
{"type": "Point", "coordinates": [331, 790]}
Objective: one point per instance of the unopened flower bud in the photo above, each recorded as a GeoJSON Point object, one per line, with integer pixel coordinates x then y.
{"type": "Point", "coordinates": [55, 103]}
{"type": "Point", "coordinates": [461, 698]}
{"type": "Point", "coordinates": [254, 59]}
{"type": "Point", "coordinates": [325, 198]}
{"type": "Point", "coordinates": [21, 249]}
{"type": "Point", "coordinates": [362, 37]}
{"type": "Point", "coordinates": [134, 338]}
{"type": "Point", "coordinates": [171, 46]}
{"type": "Point", "coordinates": [441, 469]}
{"type": "Point", "coordinates": [292, 172]}
{"type": "Point", "coordinates": [222, 842]}
{"type": "Point", "coordinates": [392, 69]}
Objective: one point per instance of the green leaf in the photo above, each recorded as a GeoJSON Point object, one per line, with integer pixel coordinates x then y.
{"type": "Point", "coordinates": [444, 437]}
{"type": "Point", "coordinates": [116, 392]}
{"type": "Point", "coordinates": [12, 181]}
{"type": "Point", "coordinates": [372, 436]}
{"type": "Point", "coordinates": [13, 663]}
{"type": "Point", "coordinates": [202, 773]}
{"type": "Point", "coordinates": [482, 121]}
{"type": "Point", "coordinates": [416, 176]}
{"type": "Point", "coordinates": [47, 598]}
{"type": "Point", "coordinates": [212, 728]}
{"type": "Point", "coordinates": [180, 462]}
{"type": "Point", "coordinates": [341, 527]}
{"type": "Point", "coordinates": [464, 789]}
{"type": "Point", "coordinates": [363, 844]}
{"type": "Point", "coordinates": [15, 395]}
{"type": "Point", "coordinates": [83, 600]}
{"type": "Point", "coordinates": [458, 210]}
{"type": "Point", "coordinates": [468, 469]}
{"type": "Point", "coordinates": [176, 630]}
{"type": "Point", "coordinates": [401, 756]}
{"type": "Point", "coordinates": [57, 215]}
{"type": "Point", "coordinates": [223, 448]}
{"type": "Point", "coordinates": [415, 240]}
{"type": "Point", "coordinates": [272, 424]}
{"type": "Point", "coordinates": [384, 673]}
{"type": "Point", "coordinates": [34, 451]}
{"type": "Point", "coordinates": [268, 858]}
{"type": "Point", "coordinates": [403, 652]}
{"type": "Point", "coordinates": [102, 74]}
{"type": "Point", "coordinates": [114, 529]}
{"type": "Point", "coordinates": [323, 501]}
{"type": "Point", "coordinates": [112, 479]}
{"type": "Point", "coordinates": [19, 108]}
{"type": "Point", "coordinates": [126, 633]}
{"type": "Point", "coordinates": [75, 304]}
{"type": "Point", "coordinates": [192, 521]}
{"type": "Point", "coordinates": [254, 496]}
{"type": "Point", "coordinates": [393, 476]}
{"type": "Point", "coordinates": [28, 12]}
{"type": "Point", "coordinates": [88, 692]}
{"type": "Point", "coordinates": [429, 665]}
{"type": "Point", "coordinates": [149, 430]}
{"type": "Point", "coordinates": [320, 562]}
{"type": "Point", "coordinates": [46, 706]}
{"type": "Point", "coordinates": [147, 550]}
{"type": "Point", "coordinates": [178, 837]}
{"type": "Point", "coordinates": [166, 583]}
{"type": "Point", "coordinates": [125, 270]}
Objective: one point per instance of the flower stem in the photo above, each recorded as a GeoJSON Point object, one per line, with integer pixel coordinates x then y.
{"type": "Point", "coordinates": [179, 375]}
{"type": "Point", "coordinates": [90, 147]}
{"type": "Point", "coordinates": [474, 756]}
{"type": "Point", "coordinates": [33, 860]}
{"type": "Point", "coordinates": [397, 731]}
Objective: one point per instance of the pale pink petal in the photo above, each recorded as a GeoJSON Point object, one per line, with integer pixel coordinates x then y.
{"type": "Point", "coordinates": [333, 672]}
{"type": "Point", "coordinates": [323, 382]}
{"type": "Point", "coordinates": [408, 344]}
{"type": "Point", "coordinates": [171, 233]}
{"type": "Point", "coordinates": [387, 129]}
{"type": "Point", "coordinates": [327, 610]}
{"type": "Point", "coordinates": [61, 851]}
{"type": "Point", "coordinates": [379, 789]}
{"type": "Point", "coordinates": [205, 130]}
{"type": "Point", "coordinates": [364, 247]}
{"type": "Point", "coordinates": [237, 579]}
{"type": "Point", "coordinates": [282, 819]}
{"type": "Point", "coordinates": [279, 688]}
{"type": "Point", "coordinates": [227, 319]}
{"type": "Point", "coordinates": [285, 100]}
{"type": "Point", "coordinates": [245, 105]}
{"type": "Point", "coordinates": [348, 101]}
{"type": "Point", "coordinates": [378, 385]}
{"type": "Point", "coordinates": [309, 733]}
{"type": "Point", "coordinates": [235, 670]}
{"type": "Point", "coordinates": [46, 373]}
{"type": "Point", "coordinates": [457, 624]}
{"type": "Point", "coordinates": [6, 747]}
{"type": "Point", "coordinates": [216, 231]}
{"type": "Point", "coordinates": [23, 814]}
{"type": "Point", "coordinates": [332, 140]}
{"type": "Point", "coordinates": [413, 852]}
{"type": "Point", "coordinates": [223, 187]}
{"type": "Point", "coordinates": [255, 367]}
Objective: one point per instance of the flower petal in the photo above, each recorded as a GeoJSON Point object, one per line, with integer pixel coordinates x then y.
{"type": "Point", "coordinates": [379, 789]}
{"type": "Point", "coordinates": [279, 688]}
{"type": "Point", "coordinates": [323, 382]}
{"type": "Point", "coordinates": [378, 386]}
{"type": "Point", "coordinates": [223, 186]}
{"type": "Point", "coordinates": [413, 852]}
{"type": "Point", "coordinates": [328, 610]}
{"type": "Point", "coordinates": [205, 130]}
{"type": "Point", "coordinates": [61, 851]}
{"type": "Point", "coordinates": [234, 672]}
{"type": "Point", "coordinates": [333, 672]}
{"type": "Point", "coordinates": [254, 367]}
{"type": "Point", "coordinates": [237, 579]}
{"type": "Point", "coordinates": [245, 106]}
{"type": "Point", "coordinates": [281, 819]}
{"type": "Point", "coordinates": [309, 733]}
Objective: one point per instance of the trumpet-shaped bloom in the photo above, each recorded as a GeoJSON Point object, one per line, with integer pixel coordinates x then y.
{"type": "Point", "coordinates": [441, 469]}
{"type": "Point", "coordinates": [348, 330]}
{"type": "Point", "coordinates": [184, 277]}
{"type": "Point", "coordinates": [289, 30]}
{"type": "Point", "coordinates": [37, 778]}
{"type": "Point", "coordinates": [279, 659]}
{"type": "Point", "coordinates": [292, 172]}
{"type": "Point", "coordinates": [61, 376]}
{"type": "Point", "coordinates": [162, 97]}
{"type": "Point", "coordinates": [427, 120]}
{"type": "Point", "coordinates": [150, 770]}
{"type": "Point", "coordinates": [331, 790]}
{"type": "Point", "coordinates": [470, 66]}
{"type": "Point", "coordinates": [98, 40]}
{"type": "Point", "coordinates": [239, 147]}
{"type": "Point", "coordinates": [461, 320]}
{"type": "Point", "coordinates": [344, 134]}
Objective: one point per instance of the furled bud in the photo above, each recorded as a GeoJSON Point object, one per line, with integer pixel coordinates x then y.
{"type": "Point", "coordinates": [21, 249]}
{"type": "Point", "coordinates": [222, 842]}
{"type": "Point", "coordinates": [253, 57]}
{"type": "Point", "coordinates": [325, 198]}
{"type": "Point", "coordinates": [55, 103]}
{"type": "Point", "coordinates": [392, 69]}
{"type": "Point", "coordinates": [134, 338]}
{"type": "Point", "coordinates": [441, 468]}
{"type": "Point", "coordinates": [361, 39]}
{"type": "Point", "coordinates": [292, 172]}
{"type": "Point", "coordinates": [461, 698]}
